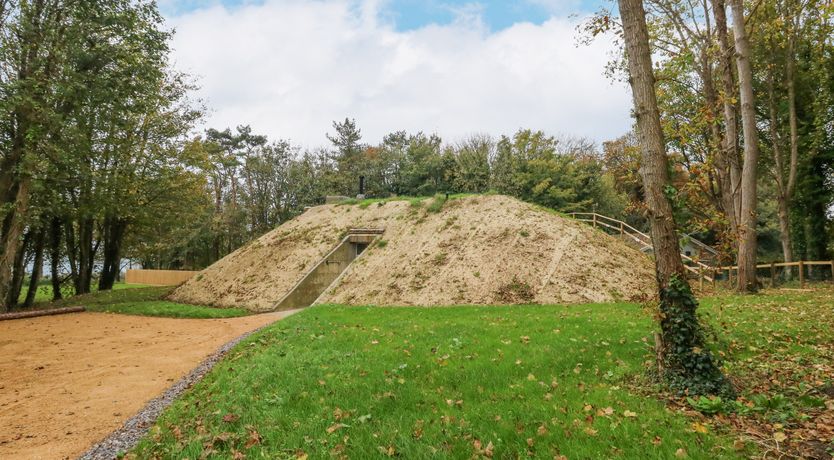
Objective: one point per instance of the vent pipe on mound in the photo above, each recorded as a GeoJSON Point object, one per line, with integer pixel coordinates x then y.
{"type": "Point", "coordinates": [361, 188]}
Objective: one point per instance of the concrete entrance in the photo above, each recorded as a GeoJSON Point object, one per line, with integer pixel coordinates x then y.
{"type": "Point", "coordinates": [323, 274]}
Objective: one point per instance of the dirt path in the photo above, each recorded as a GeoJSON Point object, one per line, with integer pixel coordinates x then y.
{"type": "Point", "coordinates": [67, 381]}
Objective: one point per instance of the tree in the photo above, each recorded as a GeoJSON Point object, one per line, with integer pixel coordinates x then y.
{"type": "Point", "coordinates": [347, 156]}
{"type": "Point", "coordinates": [747, 256]}
{"type": "Point", "coordinates": [32, 49]}
{"type": "Point", "coordinates": [686, 362]}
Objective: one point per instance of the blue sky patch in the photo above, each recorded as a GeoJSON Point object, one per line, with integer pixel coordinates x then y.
{"type": "Point", "coordinates": [414, 14]}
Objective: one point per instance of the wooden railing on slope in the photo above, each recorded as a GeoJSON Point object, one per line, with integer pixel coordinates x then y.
{"type": "Point", "coordinates": [624, 229]}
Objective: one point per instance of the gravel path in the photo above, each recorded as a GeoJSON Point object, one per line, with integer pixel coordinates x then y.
{"type": "Point", "coordinates": [126, 437]}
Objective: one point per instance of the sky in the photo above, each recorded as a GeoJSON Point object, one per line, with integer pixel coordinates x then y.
{"type": "Point", "coordinates": [289, 68]}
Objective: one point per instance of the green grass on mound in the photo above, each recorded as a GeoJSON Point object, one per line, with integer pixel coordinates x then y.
{"type": "Point", "coordinates": [456, 382]}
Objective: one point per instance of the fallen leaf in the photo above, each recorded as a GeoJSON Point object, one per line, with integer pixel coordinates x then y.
{"type": "Point", "coordinates": [335, 427]}
{"type": "Point", "coordinates": [700, 427]}
{"type": "Point", "coordinates": [254, 439]}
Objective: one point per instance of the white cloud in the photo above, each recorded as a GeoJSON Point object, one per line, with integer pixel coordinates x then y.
{"type": "Point", "coordinates": [290, 67]}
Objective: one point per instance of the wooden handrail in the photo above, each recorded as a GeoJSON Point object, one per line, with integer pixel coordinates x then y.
{"type": "Point", "coordinates": [620, 223]}
{"type": "Point", "coordinates": [640, 237]}
{"type": "Point", "coordinates": [600, 216]}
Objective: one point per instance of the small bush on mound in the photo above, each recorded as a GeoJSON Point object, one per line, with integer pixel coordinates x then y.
{"type": "Point", "coordinates": [516, 291]}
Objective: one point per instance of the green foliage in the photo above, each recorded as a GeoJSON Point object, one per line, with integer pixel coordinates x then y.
{"type": "Point", "coordinates": [708, 405]}
{"type": "Point", "coordinates": [689, 366]}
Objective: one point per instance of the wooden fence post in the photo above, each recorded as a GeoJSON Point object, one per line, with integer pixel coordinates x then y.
{"type": "Point", "coordinates": [773, 274]}
{"type": "Point", "coordinates": [595, 220]}
{"type": "Point", "coordinates": [701, 277]}
{"type": "Point", "coordinates": [714, 279]}
{"type": "Point", "coordinates": [832, 271]}
{"type": "Point", "coordinates": [622, 230]}
{"type": "Point", "coordinates": [801, 274]}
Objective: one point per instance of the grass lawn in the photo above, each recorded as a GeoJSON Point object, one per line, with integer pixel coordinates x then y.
{"type": "Point", "coordinates": [136, 299]}
{"type": "Point", "coordinates": [168, 309]}
{"type": "Point", "coordinates": [44, 292]}
{"type": "Point", "coordinates": [507, 382]}
{"type": "Point", "coordinates": [435, 382]}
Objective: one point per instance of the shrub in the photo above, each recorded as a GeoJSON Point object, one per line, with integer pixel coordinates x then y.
{"type": "Point", "coordinates": [515, 291]}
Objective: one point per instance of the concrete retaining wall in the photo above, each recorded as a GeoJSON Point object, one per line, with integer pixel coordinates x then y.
{"type": "Point", "coordinates": [321, 276]}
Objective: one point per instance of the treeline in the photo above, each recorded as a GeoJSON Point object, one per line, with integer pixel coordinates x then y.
{"type": "Point", "coordinates": [745, 91]}
{"type": "Point", "coordinates": [100, 163]}
{"type": "Point", "coordinates": [253, 185]}
{"type": "Point", "coordinates": [92, 120]}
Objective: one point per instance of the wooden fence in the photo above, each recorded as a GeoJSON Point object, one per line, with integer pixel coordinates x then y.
{"type": "Point", "coordinates": [801, 266]}
{"type": "Point", "coordinates": [158, 277]}
{"type": "Point", "coordinates": [698, 269]}
{"type": "Point", "coordinates": [644, 241]}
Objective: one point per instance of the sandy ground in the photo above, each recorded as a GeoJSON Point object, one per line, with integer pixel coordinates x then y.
{"type": "Point", "coordinates": [67, 381]}
{"type": "Point", "coordinates": [468, 253]}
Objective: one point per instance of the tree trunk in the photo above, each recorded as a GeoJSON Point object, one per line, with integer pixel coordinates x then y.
{"type": "Point", "coordinates": [730, 157]}
{"type": "Point", "coordinates": [11, 244]}
{"type": "Point", "coordinates": [722, 178]}
{"type": "Point", "coordinates": [114, 232]}
{"type": "Point", "coordinates": [18, 273]}
{"type": "Point", "coordinates": [86, 255]}
{"type": "Point", "coordinates": [654, 165]}
{"type": "Point", "coordinates": [747, 219]}
{"type": "Point", "coordinates": [37, 269]}
{"type": "Point", "coordinates": [683, 358]}
{"type": "Point", "coordinates": [786, 196]}
{"type": "Point", "coordinates": [72, 254]}
{"type": "Point", "coordinates": [782, 197]}
{"type": "Point", "coordinates": [55, 258]}
{"type": "Point", "coordinates": [790, 72]}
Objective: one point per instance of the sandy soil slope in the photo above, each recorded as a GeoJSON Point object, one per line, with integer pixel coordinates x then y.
{"type": "Point", "coordinates": [488, 249]}
{"type": "Point", "coordinates": [67, 381]}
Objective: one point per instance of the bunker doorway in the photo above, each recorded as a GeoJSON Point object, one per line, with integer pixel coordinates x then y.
{"type": "Point", "coordinates": [328, 269]}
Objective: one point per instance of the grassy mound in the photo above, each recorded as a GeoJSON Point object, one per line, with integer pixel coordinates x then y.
{"type": "Point", "coordinates": [475, 250]}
